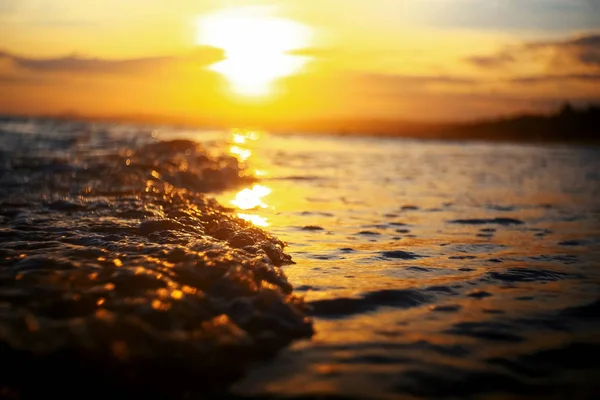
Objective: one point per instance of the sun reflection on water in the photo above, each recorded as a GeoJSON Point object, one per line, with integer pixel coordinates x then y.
{"type": "Point", "coordinates": [255, 219]}
{"type": "Point", "coordinates": [241, 136]}
{"type": "Point", "coordinates": [238, 138]}
{"type": "Point", "coordinates": [249, 199]}
{"type": "Point", "coordinates": [241, 153]}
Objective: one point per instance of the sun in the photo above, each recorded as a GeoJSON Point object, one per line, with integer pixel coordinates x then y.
{"type": "Point", "coordinates": [257, 47]}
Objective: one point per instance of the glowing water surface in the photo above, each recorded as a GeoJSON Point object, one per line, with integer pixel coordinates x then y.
{"type": "Point", "coordinates": [434, 269]}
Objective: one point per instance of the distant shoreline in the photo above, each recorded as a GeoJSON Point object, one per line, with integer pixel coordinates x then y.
{"type": "Point", "coordinates": [567, 126]}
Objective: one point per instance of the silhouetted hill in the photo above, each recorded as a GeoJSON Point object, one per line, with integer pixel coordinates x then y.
{"type": "Point", "coordinates": [567, 125]}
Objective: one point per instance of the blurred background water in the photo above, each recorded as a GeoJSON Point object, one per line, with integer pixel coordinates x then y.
{"type": "Point", "coordinates": [434, 268]}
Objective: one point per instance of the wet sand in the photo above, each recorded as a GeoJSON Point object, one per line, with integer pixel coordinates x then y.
{"type": "Point", "coordinates": [118, 274]}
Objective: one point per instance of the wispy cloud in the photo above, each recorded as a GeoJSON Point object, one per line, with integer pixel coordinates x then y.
{"type": "Point", "coordinates": [79, 64]}
{"type": "Point", "coordinates": [10, 79]}
{"type": "Point", "coordinates": [404, 79]}
{"type": "Point", "coordinates": [572, 53]}
{"type": "Point", "coordinates": [492, 61]}
{"type": "Point", "coordinates": [556, 78]}
{"type": "Point", "coordinates": [584, 49]}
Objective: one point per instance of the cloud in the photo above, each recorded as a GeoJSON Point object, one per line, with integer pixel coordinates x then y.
{"type": "Point", "coordinates": [550, 78]}
{"type": "Point", "coordinates": [84, 65]}
{"type": "Point", "coordinates": [404, 79]}
{"type": "Point", "coordinates": [494, 92]}
{"type": "Point", "coordinates": [492, 61]}
{"type": "Point", "coordinates": [9, 79]}
{"type": "Point", "coordinates": [573, 53]}
{"type": "Point", "coordinates": [585, 49]}
{"type": "Point", "coordinates": [316, 52]}
{"type": "Point", "coordinates": [399, 83]}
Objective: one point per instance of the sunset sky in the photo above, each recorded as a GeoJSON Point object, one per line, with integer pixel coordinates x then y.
{"type": "Point", "coordinates": [235, 61]}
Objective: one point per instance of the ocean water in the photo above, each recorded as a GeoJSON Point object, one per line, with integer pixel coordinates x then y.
{"type": "Point", "coordinates": [427, 269]}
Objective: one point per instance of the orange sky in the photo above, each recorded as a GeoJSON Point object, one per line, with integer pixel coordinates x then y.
{"type": "Point", "coordinates": [243, 61]}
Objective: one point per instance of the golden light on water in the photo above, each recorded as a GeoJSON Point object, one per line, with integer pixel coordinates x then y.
{"type": "Point", "coordinates": [255, 219]}
{"type": "Point", "coordinates": [241, 153]}
{"type": "Point", "coordinates": [249, 199]}
{"type": "Point", "coordinates": [257, 47]}
{"type": "Point", "coordinates": [241, 136]}
{"type": "Point", "coordinates": [238, 138]}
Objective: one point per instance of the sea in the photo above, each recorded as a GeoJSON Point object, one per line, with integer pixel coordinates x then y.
{"type": "Point", "coordinates": [419, 268]}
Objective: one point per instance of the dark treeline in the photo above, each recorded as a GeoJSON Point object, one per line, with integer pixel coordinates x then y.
{"type": "Point", "coordinates": [566, 125]}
